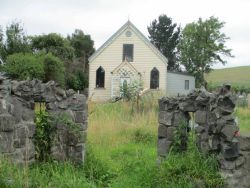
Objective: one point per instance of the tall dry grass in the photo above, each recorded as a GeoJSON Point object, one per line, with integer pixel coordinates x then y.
{"type": "Point", "coordinates": [112, 123]}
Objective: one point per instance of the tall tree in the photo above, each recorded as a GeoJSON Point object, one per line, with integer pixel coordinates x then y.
{"type": "Point", "coordinates": [202, 45]}
{"type": "Point", "coordinates": [164, 34]}
{"type": "Point", "coordinates": [83, 45]}
{"type": "Point", "coordinates": [16, 40]}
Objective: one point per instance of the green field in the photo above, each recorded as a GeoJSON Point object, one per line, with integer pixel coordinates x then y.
{"type": "Point", "coordinates": [235, 76]}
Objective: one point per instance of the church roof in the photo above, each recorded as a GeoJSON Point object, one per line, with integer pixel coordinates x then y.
{"type": "Point", "coordinates": [130, 25]}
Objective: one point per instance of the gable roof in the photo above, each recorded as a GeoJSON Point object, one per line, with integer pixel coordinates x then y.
{"type": "Point", "coordinates": [128, 24]}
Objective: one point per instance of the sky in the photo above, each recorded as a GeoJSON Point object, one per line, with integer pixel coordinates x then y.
{"type": "Point", "coordinates": [101, 18]}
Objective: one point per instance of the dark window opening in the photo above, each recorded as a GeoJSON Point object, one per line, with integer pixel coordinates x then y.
{"type": "Point", "coordinates": [154, 79]}
{"type": "Point", "coordinates": [186, 84]}
{"type": "Point", "coordinates": [128, 52]}
{"type": "Point", "coordinates": [100, 77]}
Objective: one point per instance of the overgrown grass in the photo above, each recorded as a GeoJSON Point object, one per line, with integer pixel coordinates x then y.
{"type": "Point", "coordinates": [243, 115]}
{"type": "Point", "coordinates": [42, 175]}
{"type": "Point", "coordinates": [126, 142]}
{"type": "Point", "coordinates": [122, 153]}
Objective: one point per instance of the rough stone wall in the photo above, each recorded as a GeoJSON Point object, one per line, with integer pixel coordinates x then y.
{"type": "Point", "coordinates": [17, 113]}
{"type": "Point", "coordinates": [239, 176]}
{"type": "Point", "coordinates": [216, 129]}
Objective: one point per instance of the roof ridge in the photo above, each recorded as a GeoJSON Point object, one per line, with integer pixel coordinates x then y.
{"type": "Point", "coordinates": [140, 35]}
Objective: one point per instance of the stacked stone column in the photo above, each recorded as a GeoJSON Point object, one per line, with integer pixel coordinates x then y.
{"type": "Point", "coordinates": [17, 114]}
{"type": "Point", "coordinates": [170, 120]}
{"type": "Point", "coordinates": [215, 126]}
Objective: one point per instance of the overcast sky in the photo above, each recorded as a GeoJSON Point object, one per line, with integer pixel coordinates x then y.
{"type": "Point", "coordinates": [101, 18]}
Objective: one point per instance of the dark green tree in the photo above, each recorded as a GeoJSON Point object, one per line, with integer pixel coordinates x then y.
{"type": "Point", "coordinates": [16, 40]}
{"type": "Point", "coordinates": [78, 80]}
{"type": "Point", "coordinates": [164, 34]}
{"type": "Point", "coordinates": [83, 45]}
{"type": "Point", "coordinates": [54, 69]}
{"type": "Point", "coordinates": [53, 43]}
{"type": "Point", "coordinates": [77, 71]}
{"type": "Point", "coordinates": [201, 46]}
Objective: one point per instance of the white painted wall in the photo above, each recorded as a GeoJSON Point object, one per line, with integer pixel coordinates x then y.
{"type": "Point", "coordinates": [145, 59]}
{"type": "Point", "coordinates": [176, 84]}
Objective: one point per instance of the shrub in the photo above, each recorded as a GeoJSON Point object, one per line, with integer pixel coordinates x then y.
{"type": "Point", "coordinates": [130, 91]}
{"type": "Point", "coordinates": [180, 137]}
{"type": "Point", "coordinates": [43, 135]}
{"type": "Point", "coordinates": [77, 80]}
{"type": "Point", "coordinates": [54, 69]}
{"type": "Point", "coordinates": [24, 66]}
{"type": "Point", "coordinates": [46, 128]}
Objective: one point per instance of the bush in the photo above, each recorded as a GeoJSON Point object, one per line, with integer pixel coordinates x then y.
{"type": "Point", "coordinates": [24, 66]}
{"type": "Point", "coordinates": [77, 80]}
{"type": "Point", "coordinates": [43, 136]}
{"type": "Point", "coordinates": [130, 91]}
{"type": "Point", "coordinates": [44, 67]}
{"type": "Point", "coordinates": [54, 69]}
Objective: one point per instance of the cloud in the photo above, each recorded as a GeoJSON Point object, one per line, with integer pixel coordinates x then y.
{"type": "Point", "coordinates": [101, 18]}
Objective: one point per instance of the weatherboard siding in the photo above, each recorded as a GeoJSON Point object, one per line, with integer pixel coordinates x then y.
{"type": "Point", "coordinates": [176, 84]}
{"type": "Point", "coordinates": [144, 61]}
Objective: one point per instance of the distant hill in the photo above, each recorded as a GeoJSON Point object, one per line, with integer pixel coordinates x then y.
{"type": "Point", "coordinates": [235, 76]}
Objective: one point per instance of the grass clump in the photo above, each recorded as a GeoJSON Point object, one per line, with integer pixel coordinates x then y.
{"type": "Point", "coordinates": [44, 175]}
{"type": "Point", "coordinates": [243, 115]}
{"type": "Point", "coordinates": [189, 169]}
{"type": "Point", "coordinates": [142, 136]}
{"type": "Point", "coordinates": [96, 170]}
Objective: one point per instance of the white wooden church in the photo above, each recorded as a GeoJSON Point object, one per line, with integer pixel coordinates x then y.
{"type": "Point", "coordinates": [128, 56]}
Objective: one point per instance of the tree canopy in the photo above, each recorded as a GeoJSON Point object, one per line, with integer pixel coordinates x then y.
{"type": "Point", "coordinates": [83, 44]}
{"type": "Point", "coordinates": [14, 40]}
{"type": "Point", "coordinates": [46, 57]}
{"type": "Point", "coordinates": [164, 34]}
{"type": "Point", "coordinates": [24, 66]}
{"type": "Point", "coordinates": [201, 46]}
{"type": "Point", "coordinates": [53, 43]}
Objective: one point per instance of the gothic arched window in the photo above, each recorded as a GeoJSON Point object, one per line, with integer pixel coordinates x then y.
{"type": "Point", "coordinates": [100, 77]}
{"type": "Point", "coordinates": [154, 78]}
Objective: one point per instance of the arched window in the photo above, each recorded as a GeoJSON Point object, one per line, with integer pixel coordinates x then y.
{"type": "Point", "coordinates": [154, 78]}
{"type": "Point", "coordinates": [100, 77]}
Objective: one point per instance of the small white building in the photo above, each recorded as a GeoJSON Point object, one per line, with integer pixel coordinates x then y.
{"type": "Point", "coordinates": [179, 83]}
{"type": "Point", "coordinates": [128, 56]}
